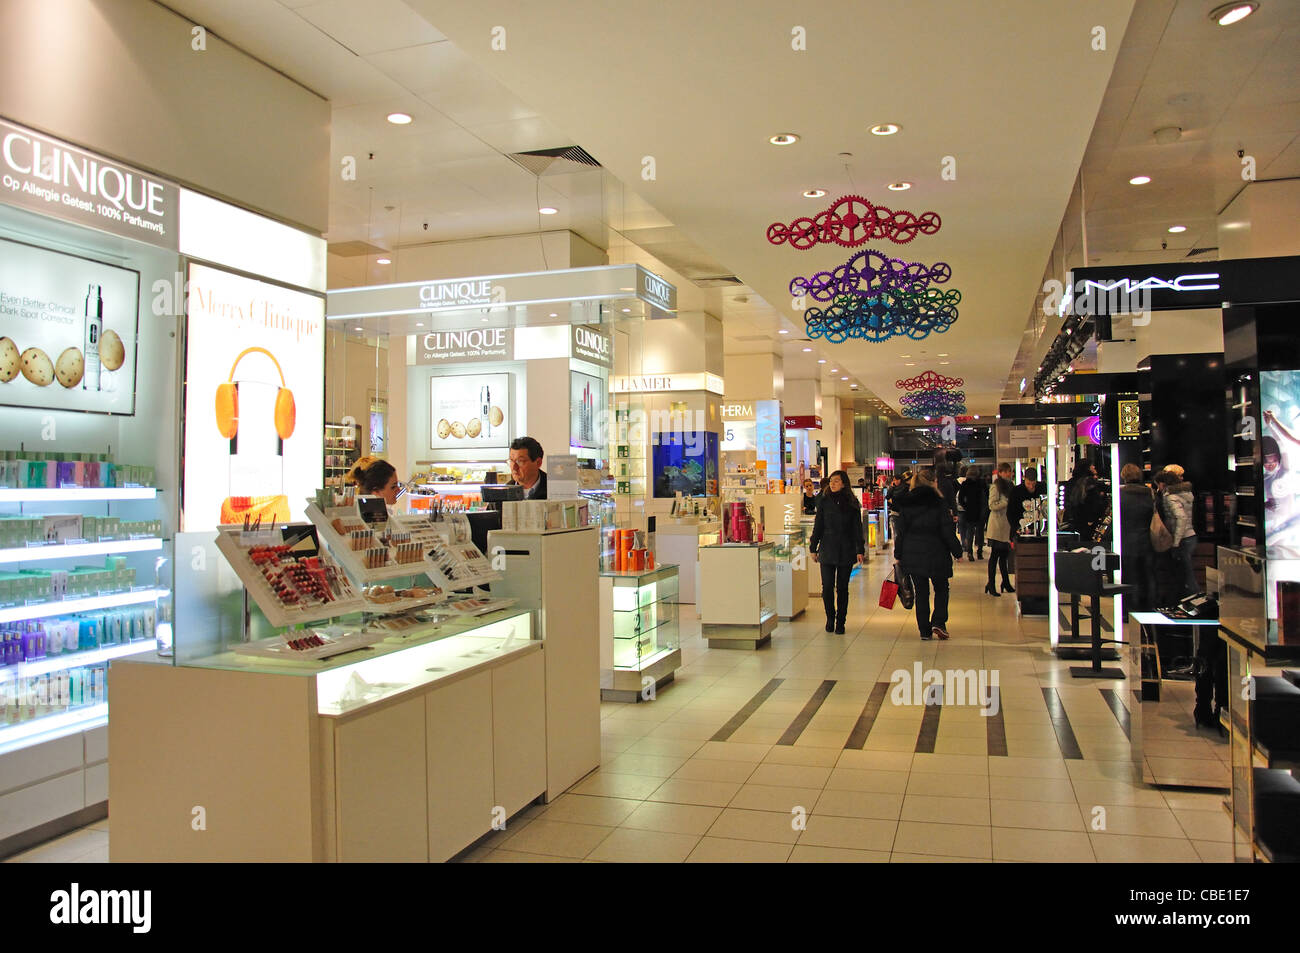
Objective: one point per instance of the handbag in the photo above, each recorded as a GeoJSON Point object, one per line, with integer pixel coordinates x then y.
{"type": "Point", "coordinates": [906, 591]}
{"type": "Point", "coordinates": [1161, 539]}
{"type": "Point", "coordinates": [888, 592]}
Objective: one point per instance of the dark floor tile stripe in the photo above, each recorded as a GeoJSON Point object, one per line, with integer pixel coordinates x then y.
{"type": "Point", "coordinates": [751, 706]}
{"type": "Point", "coordinates": [806, 714]}
{"type": "Point", "coordinates": [858, 737]}
{"type": "Point", "coordinates": [1061, 724]}
{"type": "Point", "coordinates": [929, 732]}
{"type": "Point", "coordinates": [1117, 708]}
{"type": "Point", "coordinates": [996, 727]}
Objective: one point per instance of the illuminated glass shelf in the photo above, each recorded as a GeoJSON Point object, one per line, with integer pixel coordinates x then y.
{"type": "Point", "coordinates": [22, 554]}
{"type": "Point", "coordinates": [76, 494]}
{"type": "Point", "coordinates": [43, 610]}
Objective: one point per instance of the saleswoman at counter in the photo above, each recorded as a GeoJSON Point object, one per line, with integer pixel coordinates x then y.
{"type": "Point", "coordinates": [526, 467]}
{"type": "Point", "coordinates": [373, 476]}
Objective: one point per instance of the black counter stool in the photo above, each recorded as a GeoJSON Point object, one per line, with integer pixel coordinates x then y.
{"type": "Point", "coordinates": [1076, 577]}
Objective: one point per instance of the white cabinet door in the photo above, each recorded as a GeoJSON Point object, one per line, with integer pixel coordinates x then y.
{"type": "Point", "coordinates": [459, 731]}
{"type": "Point", "coordinates": [519, 732]}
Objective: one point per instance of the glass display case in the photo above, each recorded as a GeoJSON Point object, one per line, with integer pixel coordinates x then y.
{"type": "Point", "coordinates": [738, 599]}
{"type": "Point", "coordinates": [642, 649]}
{"type": "Point", "coordinates": [791, 564]}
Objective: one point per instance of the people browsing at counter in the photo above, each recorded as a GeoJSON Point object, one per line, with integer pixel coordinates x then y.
{"type": "Point", "coordinates": [836, 544]}
{"type": "Point", "coordinates": [526, 467]}
{"type": "Point", "coordinates": [926, 546]}
{"type": "Point", "coordinates": [373, 476]}
{"type": "Point", "coordinates": [1136, 507]}
{"type": "Point", "coordinates": [998, 530]}
{"type": "Point", "coordinates": [809, 498]}
{"type": "Point", "coordinates": [1028, 489]}
{"type": "Point", "coordinates": [972, 502]}
{"type": "Point", "coordinates": [1175, 501]}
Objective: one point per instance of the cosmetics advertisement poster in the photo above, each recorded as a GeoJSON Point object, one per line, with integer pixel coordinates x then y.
{"type": "Point", "coordinates": [469, 412]}
{"type": "Point", "coordinates": [586, 411]}
{"type": "Point", "coordinates": [254, 401]}
{"type": "Point", "coordinates": [67, 331]}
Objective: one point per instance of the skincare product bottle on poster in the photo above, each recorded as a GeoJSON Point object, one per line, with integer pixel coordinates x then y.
{"type": "Point", "coordinates": [94, 328]}
{"type": "Point", "coordinates": [485, 412]}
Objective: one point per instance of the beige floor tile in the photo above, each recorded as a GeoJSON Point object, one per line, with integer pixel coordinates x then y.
{"type": "Point", "coordinates": [666, 747]}
{"type": "Point", "coordinates": [702, 769]}
{"type": "Point", "coordinates": [558, 838]}
{"type": "Point", "coordinates": [756, 735]}
{"type": "Point", "coordinates": [764, 719]}
{"type": "Point", "coordinates": [1033, 749]}
{"type": "Point", "coordinates": [1127, 849]}
{"type": "Point", "coordinates": [950, 764]}
{"type": "Point", "coordinates": [590, 809]}
{"type": "Point", "coordinates": [710, 793]}
{"type": "Point", "coordinates": [67, 848]}
{"type": "Point", "coordinates": [1196, 800]}
{"type": "Point", "coordinates": [1041, 846]}
{"type": "Point", "coordinates": [1127, 819]}
{"type": "Point", "coordinates": [906, 858]}
{"type": "Point", "coordinates": [809, 854]}
{"type": "Point", "coordinates": [605, 784]}
{"type": "Point", "coordinates": [849, 803]}
{"type": "Point", "coordinates": [1031, 789]}
{"type": "Point", "coordinates": [520, 857]}
{"type": "Point", "coordinates": [778, 798]}
{"type": "Point", "coordinates": [720, 850]}
{"type": "Point", "coordinates": [810, 756]}
{"type": "Point", "coordinates": [875, 760]}
{"type": "Point", "coordinates": [881, 782]}
{"type": "Point", "coordinates": [672, 818]}
{"type": "Point", "coordinates": [1037, 815]}
{"type": "Point", "coordinates": [650, 765]}
{"type": "Point", "coordinates": [1116, 792]}
{"type": "Point", "coordinates": [790, 775]}
{"type": "Point", "coordinates": [966, 746]}
{"type": "Point", "coordinates": [690, 731]}
{"type": "Point", "coordinates": [1010, 767]}
{"type": "Point", "coordinates": [945, 810]}
{"type": "Point", "coordinates": [957, 840]}
{"type": "Point", "coordinates": [1090, 770]}
{"type": "Point", "coordinates": [1213, 852]}
{"type": "Point", "coordinates": [769, 826]}
{"type": "Point", "coordinates": [1205, 825]}
{"type": "Point", "coordinates": [948, 785]}
{"type": "Point", "coordinates": [1194, 771]}
{"type": "Point", "coordinates": [611, 744]}
{"type": "Point", "coordinates": [644, 847]}
{"type": "Point", "coordinates": [856, 833]}
{"type": "Point", "coordinates": [833, 739]}
{"type": "Point", "coordinates": [901, 744]}
{"type": "Point", "coordinates": [964, 728]}
{"type": "Point", "coordinates": [733, 751]}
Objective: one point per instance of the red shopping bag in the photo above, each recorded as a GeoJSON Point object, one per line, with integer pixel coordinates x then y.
{"type": "Point", "coordinates": [888, 593]}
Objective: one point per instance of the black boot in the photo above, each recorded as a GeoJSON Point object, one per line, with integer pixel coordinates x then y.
{"type": "Point", "coordinates": [839, 625]}
{"type": "Point", "coordinates": [830, 624]}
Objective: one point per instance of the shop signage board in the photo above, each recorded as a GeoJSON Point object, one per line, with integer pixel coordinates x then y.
{"type": "Point", "coordinates": [49, 176]}
{"type": "Point", "coordinates": [1183, 285]}
{"type": "Point", "coordinates": [768, 436]}
{"type": "Point", "coordinates": [737, 411]}
{"type": "Point", "coordinates": [469, 412]}
{"type": "Point", "coordinates": [591, 344]}
{"type": "Point", "coordinates": [464, 346]}
{"type": "Point", "coordinates": [804, 422]}
{"type": "Point", "coordinates": [657, 293]}
{"type": "Point", "coordinates": [663, 383]}
{"type": "Point", "coordinates": [1026, 436]}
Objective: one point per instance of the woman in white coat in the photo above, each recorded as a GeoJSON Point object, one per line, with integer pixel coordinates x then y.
{"type": "Point", "coordinates": [998, 531]}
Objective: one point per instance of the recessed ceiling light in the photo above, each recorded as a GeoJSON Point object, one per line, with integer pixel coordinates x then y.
{"type": "Point", "coordinates": [1231, 13]}
{"type": "Point", "coordinates": [910, 364]}
{"type": "Point", "coordinates": [835, 370]}
{"type": "Point", "coordinates": [783, 331]}
{"type": "Point", "coordinates": [419, 324]}
{"type": "Point", "coordinates": [358, 329]}
{"type": "Point", "coordinates": [906, 355]}
{"type": "Point", "coordinates": [554, 315]}
{"type": "Point", "coordinates": [485, 320]}
{"type": "Point", "coordinates": [1177, 228]}
{"type": "Point", "coordinates": [627, 310]}
{"type": "Point", "coordinates": [383, 261]}
{"type": "Point", "coordinates": [843, 378]}
{"type": "Point", "coordinates": [885, 129]}
{"type": "Point", "coordinates": [627, 289]}
{"type": "Point", "coordinates": [899, 186]}
{"type": "Point", "coordinates": [784, 139]}
{"type": "Point", "coordinates": [807, 350]}
{"type": "Point", "coordinates": [943, 354]}
{"type": "Point", "coordinates": [399, 119]}
{"type": "Point", "coordinates": [547, 210]}
{"type": "Point", "coordinates": [1139, 180]}
{"type": "Point", "coordinates": [821, 360]}
{"type": "Point", "coordinates": [945, 362]}
{"type": "Point", "coordinates": [814, 193]}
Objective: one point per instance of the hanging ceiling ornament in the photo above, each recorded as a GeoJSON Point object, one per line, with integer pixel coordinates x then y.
{"type": "Point", "coordinates": [933, 403]}
{"type": "Point", "coordinates": [868, 273]}
{"type": "Point", "coordinates": [852, 221]}
{"type": "Point", "coordinates": [929, 380]}
{"type": "Point", "coordinates": [887, 315]}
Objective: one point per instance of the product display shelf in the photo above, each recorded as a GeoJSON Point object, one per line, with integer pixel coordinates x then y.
{"type": "Point", "coordinates": [235, 545]}
{"type": "Point", "coordinates": [74, 604]}
{"type": "Point", "coordinates": [640, 640]}
{"type": "Point", "coordinates": [791, 570]}
{"type": "Point", "coordinates": [1247, 477]}
{"type": "Point", "coordinates": [112, 547]}
{"type": "Point", "coordinates": [77, 494]}
{"type": "Point", "coordinates": [678, 542]}
{"type": "Point", "coordinates": [738, 606]}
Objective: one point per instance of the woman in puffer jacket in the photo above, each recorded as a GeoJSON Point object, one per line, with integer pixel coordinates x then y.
{"type": "Point", "coordinates": [927, 544]}
{"type": "Point", "coordinates": [1175, 503]}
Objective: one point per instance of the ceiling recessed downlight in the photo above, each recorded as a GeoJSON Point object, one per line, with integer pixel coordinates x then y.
{"type": "Point", "coordinates": [358, 329]}
{"type": "Point", "coordinates": [1231, 13]}
{"type": "Point", "coordinates": [783, 331]}
{"type": "Point", "coordinates": [843, 378]}
{"type": "Point", "coordinates": [419, 324]}
{"type": "Point", "coordinates": [547, 210]}
{"type": "Point", "coordinates": [814, 193]}
{"type": "Point", "coordinates": [554, 315]}
{"type": "Point", "coordinates": [885, 129]}
{"type": "Point", "coordinates": [627, 310]}
{"type": "Point", "coordinates": [399, 119]}
{"type": "Point", "coordinates": [899, 186]}
{"type": "Point", "coordinates": [383, 261]}
{"type": "Point", "coordinates": [1177, 228]}
{"type": "Point", "coordinates": [821, 360]}
{"type": "Point", "coordinates": [784, 139]}
{"type": "Point", "coordinates": [1139, 180]}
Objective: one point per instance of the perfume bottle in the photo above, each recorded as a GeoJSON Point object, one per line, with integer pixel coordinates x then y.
{"type": "Point", "coordinates": [94, 326]}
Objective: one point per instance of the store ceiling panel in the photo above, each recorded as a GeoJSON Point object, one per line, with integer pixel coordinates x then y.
{"type": "Point", "coordinates": [370, 27]}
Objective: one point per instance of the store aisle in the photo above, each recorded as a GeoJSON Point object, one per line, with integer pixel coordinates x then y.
{"type": "Point", "coordinates": [802, 752]}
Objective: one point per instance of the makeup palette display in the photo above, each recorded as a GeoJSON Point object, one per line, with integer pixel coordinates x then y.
{"type": "Point", "coordinates": [312, 644]}
{"type": "Point", "coordinates": [290, 576]}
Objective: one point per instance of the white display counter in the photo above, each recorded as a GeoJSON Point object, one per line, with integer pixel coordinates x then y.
{"type": "Point", "coordinates": [737, 598]}
{"type": "Point", "coordinates": [679, 543]}
{"type": "Point", "coordinates": [640, 644]}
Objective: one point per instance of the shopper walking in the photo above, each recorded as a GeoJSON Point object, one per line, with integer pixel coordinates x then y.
{"type": "Point", "coordinates": [998, 531]}
{"type": "Point", "coordinates": [836, 544]}
{"type": "Point", "coordinates": [902, 483]}
{"type": "Point", "coordinates": [809, 498]}
{"type": "Point", "coordinates": [1138, 559]}
{"type": "Point", "coordinates": [927, 544]}
{"type": "Point", "coordinates": [972, 499]}
{"type": "Point", "coordinates": [1175, 503]}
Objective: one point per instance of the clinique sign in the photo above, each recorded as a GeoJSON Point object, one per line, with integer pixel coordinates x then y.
{"type": "Point", "coordinates": [442, 294]}
{"type": "Point", "coordinates": [471, 344]}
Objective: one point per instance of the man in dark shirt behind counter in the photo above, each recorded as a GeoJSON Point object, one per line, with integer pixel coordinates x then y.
{"type": "Point", "coordinates": [526, 467]}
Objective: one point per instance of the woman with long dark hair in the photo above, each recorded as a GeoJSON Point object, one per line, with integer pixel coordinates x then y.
{"type": "Point", "coordinates": [373, 476]}
{"type": "Point", "coordinates": [998, 531]}
{"type": "Point", "coordinates": [927, 543]}
{"type": "Point", "coordinates": [836, 544]}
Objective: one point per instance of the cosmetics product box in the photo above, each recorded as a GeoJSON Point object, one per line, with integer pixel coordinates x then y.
{"type": "Point", "coordinates": [61, 528]}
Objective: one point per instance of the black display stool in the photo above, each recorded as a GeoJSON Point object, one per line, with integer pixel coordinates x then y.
{"type": "Point", "coordinates": [1076, 577]}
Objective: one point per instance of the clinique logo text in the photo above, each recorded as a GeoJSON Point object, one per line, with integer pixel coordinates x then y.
{"type": "Point", "coordinates": [475, 339]}
{"type": "Point", "coordinates": [477, 291]}
{"type": "Point", "coordinates": [591, 340]}
{"type": "Point", "coordinates": [50, 163]}
{"type": "Point", "coordinates": [658, 289]}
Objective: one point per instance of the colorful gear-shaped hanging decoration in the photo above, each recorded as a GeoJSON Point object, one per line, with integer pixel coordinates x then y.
{"type": "Point", "coordinates": [887, 315]}
{"type": "Point", "coordinates": [852, 220]}
{"type": "Point", "coordinates": [929, 380]}
{"type": "Point", "coordinates": [869, 273]}
{"type": "Point", "coordinates": [933, 403]}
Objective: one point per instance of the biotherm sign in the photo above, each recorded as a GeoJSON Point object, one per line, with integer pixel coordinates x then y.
{"type": "Point", "coordinates": [53, 178]}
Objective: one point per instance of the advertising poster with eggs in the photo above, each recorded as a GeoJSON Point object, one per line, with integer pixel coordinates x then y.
{"type": "Point", "coordinates": [67, 331]}
{"type": "Point", "coordinates": [470, 412]}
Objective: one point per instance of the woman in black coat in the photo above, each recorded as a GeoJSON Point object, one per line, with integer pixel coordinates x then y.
{"type": "Point", "coordinates": [836, 544]}
{"type": "Point", "coordinates": [1136, 507]}
{"type": "Point", "coordinates": [926, 547]}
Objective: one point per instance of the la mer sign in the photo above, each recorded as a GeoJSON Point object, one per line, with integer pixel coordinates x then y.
{"type": "Point", "coordinates": [465, 345]}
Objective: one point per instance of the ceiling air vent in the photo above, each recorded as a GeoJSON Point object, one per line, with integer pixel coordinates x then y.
{"type": "Point", "coordinates": [1201, 251]}
{"type": "Point", "coordinates": [561, 161]}
{"type": "Point", "coordinates": [717, 281]}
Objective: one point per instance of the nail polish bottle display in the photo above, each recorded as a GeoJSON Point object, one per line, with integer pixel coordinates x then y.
{"type": "Point", "coordinates": [94, 327]}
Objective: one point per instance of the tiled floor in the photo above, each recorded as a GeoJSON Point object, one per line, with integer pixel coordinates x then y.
{"type": "Point", "coordinates": [682, 779]}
